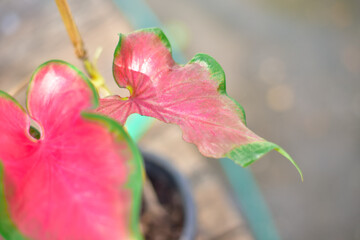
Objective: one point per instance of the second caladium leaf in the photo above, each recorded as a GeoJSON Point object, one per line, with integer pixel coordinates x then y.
{"type": "Point", "coordinates": [80, 178]}
{"type": "Point", "coordinates": [192, 96]}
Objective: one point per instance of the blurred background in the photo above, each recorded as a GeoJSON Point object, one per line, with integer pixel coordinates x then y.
{"type": "Point", "coordinates": [294, 65]}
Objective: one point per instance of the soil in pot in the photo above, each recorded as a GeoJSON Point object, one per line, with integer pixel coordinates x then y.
{"type": "Point", "coordinates": [171, 224]}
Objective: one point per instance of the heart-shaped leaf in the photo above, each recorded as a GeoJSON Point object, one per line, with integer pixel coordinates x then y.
{"type": "Point", "coordinates": [81, 179]}
{"type": "Point", "coordinates": [192, 96]}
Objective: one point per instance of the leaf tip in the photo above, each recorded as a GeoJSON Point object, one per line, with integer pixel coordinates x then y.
{"type": "Point", "coordinates": [286, 155]}
{"type": "Point", "coordinates": [249, 153]}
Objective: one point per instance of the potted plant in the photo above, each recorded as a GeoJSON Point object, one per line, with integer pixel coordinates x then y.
{"type": "Point", "coordinates": [174, 196]}
{"type": "Point", "coordinates": [79, 175]}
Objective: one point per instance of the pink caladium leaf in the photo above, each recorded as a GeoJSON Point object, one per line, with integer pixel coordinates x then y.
{"type": "Point", "coordinates": [80, 178]}
{"type": "Point", "coordinates": [192, 96]}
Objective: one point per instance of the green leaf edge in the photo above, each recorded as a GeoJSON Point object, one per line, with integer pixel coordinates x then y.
{"type": "Point", "coordinates": [95, 99]}
{"type": "Point", "coordinates": [217, 73]}
{"type": "Point", "coordinates": [160, 34]}
{"type": "Point", "coordinates": [134, 183]}
{"type": "Point", "coordinates": [116, 54]}
{"type": "Point", "coordinates": [8, 229]}
{"type": "Point", "coordinates": [249, 153]}
{"type": "Point", "coordinates": [9, 97]}
{"type": "Point", "coordinates": [118, 47]}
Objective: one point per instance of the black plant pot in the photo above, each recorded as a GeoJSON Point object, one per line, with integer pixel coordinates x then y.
{"type": "Point", "coordinates": [170, 185]}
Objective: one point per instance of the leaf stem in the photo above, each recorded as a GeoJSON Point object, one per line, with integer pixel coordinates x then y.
{"type": "Point", "coordinates": [80, 50]}
{"type": "Point", "coordinates": [71, 28]}
{"type": "Point", "coordinates": [150, 196]}
{"type": "Point", "coordinates": [18, 88]}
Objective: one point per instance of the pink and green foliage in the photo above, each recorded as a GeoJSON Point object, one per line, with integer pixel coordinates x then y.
{"type": "Point", "coordinates": [79, 178]}
{"type": "Point", "coordinates": [192, 96]}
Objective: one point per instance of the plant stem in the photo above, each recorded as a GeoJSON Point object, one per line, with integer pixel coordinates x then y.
{"type": "Point", "coordinates": [71, 28]}
{"type": "Point", "coordinates": [150, 197]}
{"type": "Point", "coordinates": [18, 88]}
{"type": "Point", "coordinates": [80, 51]}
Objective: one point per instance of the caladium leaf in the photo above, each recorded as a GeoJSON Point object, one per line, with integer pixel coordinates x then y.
{"type": "Point", "coordinates": [81, 179]}
{"type": "Point", "coordinates": [192, 96]}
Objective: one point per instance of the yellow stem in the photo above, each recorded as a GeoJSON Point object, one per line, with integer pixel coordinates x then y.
{"type": "Point", "coordinates": [80, 51]}
{"type": "Point", "coordinates": [18, 88]}
{"type": "Point", "coordinates": [71, 28]}
{"type": "Point", "coordinates": [96, 78]}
